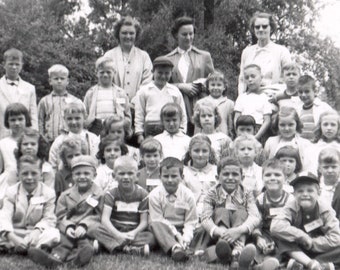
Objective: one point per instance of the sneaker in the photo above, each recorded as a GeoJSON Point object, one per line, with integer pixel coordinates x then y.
{"type": "Point", "coordinates": [246, 257]}
{"type": "Point", "coordinates": [294, 265]}
{"type": "Point", "coordinates": [270, 264]}
{"type": "Point", "coordinates": [327, 266]}
{"type": "Point", "coordinates": [41, 257]}
{"type": "Point", "coordinates": [140, 250]}
{"type": "Point", "coordinates": [314, 265]}
{"type": "Point", "coordinates": [95, 246]}
{"type": "Point", "coordinates": [178, 254]}
{"type": "Point", "coordinates": [223, 251]}
{"type": "Point", "coordinates": [84, 256]}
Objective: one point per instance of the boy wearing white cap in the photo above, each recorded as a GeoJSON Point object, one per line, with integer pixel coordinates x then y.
{"type": "Point", "coordinates": [78, 214]}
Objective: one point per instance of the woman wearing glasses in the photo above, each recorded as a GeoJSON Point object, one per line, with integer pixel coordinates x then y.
{"type": "Point", "coordinates": [270, 56]}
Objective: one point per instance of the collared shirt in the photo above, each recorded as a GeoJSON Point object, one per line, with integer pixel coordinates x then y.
{"type": "Point", "coordinates": [327, 191]}
{"type": "Point", "coordinates": [253, 178]}
{"type": "Point", "coordinates": [51, 113]}
{"type": "Point", "coordinates": [150, 100]}
{"type": "Point", "coordinates": [184, 62]}
{"type": "Point", "coordinates": [168, 141]}
{"type": "Point", "coordinates": [104, 178]}
{"type": "Point", "coordinates": [241, 198]}
{"type": "Point", "coordinates": [149, 180]}
{"type": "Point", "coordinates": [174, 210]}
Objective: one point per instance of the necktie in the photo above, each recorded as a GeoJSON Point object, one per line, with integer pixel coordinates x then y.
{"type": "Point", "coordinates": [29, 196]}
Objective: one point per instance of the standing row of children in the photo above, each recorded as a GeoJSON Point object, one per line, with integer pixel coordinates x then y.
{"type": "Point", "coordinates": [218, 204]}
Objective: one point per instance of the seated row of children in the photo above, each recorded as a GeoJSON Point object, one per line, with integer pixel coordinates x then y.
{"type": "Point", "coordinates": [299, 229]}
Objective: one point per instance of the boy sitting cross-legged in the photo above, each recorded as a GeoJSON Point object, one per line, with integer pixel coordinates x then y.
{"type": "Point", "coordinates": [229, 214]}
{"type": "Point", "coordinates": [78, 214]}
{"type": "Point", "coordinates": [269, 203]}
{"type": "Point", "coordinates": [307, 229]}
{"type": "Point", "coordinates": [173, 215]}
{"type": "Point", "coordinates": [125, 213]}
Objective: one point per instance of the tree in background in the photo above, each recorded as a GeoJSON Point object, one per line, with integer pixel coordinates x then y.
{"type": "Point", "coordinates": [43, 30]}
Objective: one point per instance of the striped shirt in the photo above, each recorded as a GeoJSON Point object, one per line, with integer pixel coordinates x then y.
{"type": "Point", "coordinates": [126, 208]}
{"type": "Point", "coordinates": [307, 119]}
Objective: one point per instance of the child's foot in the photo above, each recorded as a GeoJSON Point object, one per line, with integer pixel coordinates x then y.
{"type": "Point", "coordinates": [84, 256]}
{"type": "Point", "coordinates": [269, 264]}
{"type": "Point", "coordinates": [327, 266]}
{"type": "Point", "coordinates": [140, 250]}
{"type": "Point", "coordinates": [234, 265]}
{"type": "Point", "coordinates": [223, 251]}
{"type": "Point", "coordinates": [41, 257]}
{"type": "Point", "coordinates": [246, 257]}
{"type": "Point", "coordinates": [178, 254]}
{"type": "Point", "coordinates": [294, 265]}
{"type": "Point", "coordinates": [314, 265]}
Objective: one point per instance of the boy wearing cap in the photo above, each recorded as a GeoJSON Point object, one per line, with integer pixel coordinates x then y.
{"type": "Point", "coordinates": [14, 89]}
{"type": "Point", "coordinates": [307, 229]}
{"type": "Point", "coordinates": [78, 214]}
{"type": "Point", "coordinates": [152, 97]}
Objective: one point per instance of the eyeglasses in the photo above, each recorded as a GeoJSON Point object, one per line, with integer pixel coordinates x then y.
{"type": "Point", "coordinates": [264, 26]}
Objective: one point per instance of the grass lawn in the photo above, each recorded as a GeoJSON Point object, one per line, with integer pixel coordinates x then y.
{"type": "Point", "coordinates": [114, 262]}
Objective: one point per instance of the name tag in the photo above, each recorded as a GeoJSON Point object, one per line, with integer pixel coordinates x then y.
{"type": "Point", "coordinates": [275, 211]}
{"type": "Point", "coordinates": [121, 100]}
{"type": "Point", "coordinates": [91, 201]}
{"type": "Point", "coordinates": [127, 207]}
{"type": "Point", "coordinates": [153, 182]}
{"type": "Point", "coordinates": [37, 200]}
{"type": "Point", "coordinates": [179, 204]}
{"type": "Point", "coordinates": [313, 225]}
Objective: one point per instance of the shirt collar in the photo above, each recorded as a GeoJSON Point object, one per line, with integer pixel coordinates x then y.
{"type": "Point", "coordinates": [225, 194]}
{"type": "Point", "coordinates": [181, 51]}
{"type": "Point", "coordinates": [54, 94]}
{"type": "Point", "coordinates": [10, 82]}
{"type": "Point", "coordinates": [205, 169]}
{"type": "Point", "coordinates": [265, 48]}
{"type": "Point", "coordinates": [178, 134]}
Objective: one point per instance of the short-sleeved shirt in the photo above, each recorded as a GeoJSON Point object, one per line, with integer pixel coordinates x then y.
{"type": "Point", "coordinates": [256, 105]}
{"type": "Point", "coordinates": [126, 208]}
{"type": "Point", "coordinates": [307, 119]}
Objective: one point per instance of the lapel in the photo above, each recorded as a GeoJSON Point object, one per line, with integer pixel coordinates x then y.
{"type": "Point", "coordinates": [120, 65]}
{"type": "Point", "coordinates": [193, 60]}
{"type": "Point", "coordinates": [31, 207]}
{"type": "Point", "coordinates": [4, 90]}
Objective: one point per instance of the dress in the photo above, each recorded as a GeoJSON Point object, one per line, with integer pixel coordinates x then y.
{"type": "Point", "coordinates": [8, 176]}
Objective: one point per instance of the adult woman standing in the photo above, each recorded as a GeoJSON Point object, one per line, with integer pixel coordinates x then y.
{"type": "Point", "coordinates": [269, 56]}
{"type": "Point", "coordinates": [133, 65]}
{"type": "Point", "coordinates": [190, 64]}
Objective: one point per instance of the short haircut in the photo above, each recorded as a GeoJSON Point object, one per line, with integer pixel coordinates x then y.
{"type": "Point", "coordinates": [114, 119]}
{"type": "Point", "coordinates": [318, 132]}
{"type": "Point", "coordinates": [272, 163]}
{"type": "Point", "coordinates": [329, 155]}
{"type": "Point", "coordinates": [291, 66]}
{"type": "Point", "coordinates": [228, 161]}
{"type": "Point", "coordinates": [171, 162]}
{"type": "Point", "coordinates": [200, 139]}
{"type": "Point", "coordinates": [245, 120]}
{"type": "Point", "coordinates": [43, 145]}
{"type": "Point", "coordinates": [71, 144]}
{"type": "Point", "coordinates": [58, 69]}
{"type": "Point", "coordinates": [129, 21]}
{"type": "Point", "coordinates": [171, 110]}
{"type": "Point", "coordinates": [203, 107]}
{"type": "Point", "coordinates": [307, 79]}
{"type": "Point", "coordinates": [107, 140]}
{"type": "Point", "coordinates": [13, 53]}
{"type": "Point", "coordinates": [257, 67]}
{"type": "Point", "coordinates": [150, 145]}
{"type": "Point", "coordinates": [291, 152]}
{"type": "Point", "coordinates": [286, 112]}
{"type": "Point", "coordinates": [216, 75]}
{"type": "Point", "coordinates": [74, 107]}
{"type": "Point", "coordinates": [125, 161]}
{"type": "Point", "coordinates": [15, 109]}
{"type": "Point", "coordinates": [32, 160]}
{"type": "Point", "coordinates": [179, 22]}
{"type": "Point", "coordinates": [249, 138]}
{"type": "Point", "coordinates": [265, 15]}
{"type": "Point", "coordinates": [103, 61]}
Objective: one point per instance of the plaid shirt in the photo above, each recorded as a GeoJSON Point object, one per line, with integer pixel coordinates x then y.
{"type": "Point", "coordinates": [240, 198]}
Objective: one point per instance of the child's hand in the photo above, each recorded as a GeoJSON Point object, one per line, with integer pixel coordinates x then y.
{"type": "Point", "coordinates": [131, 235]}
{"type": "Point", "coordinates": [18, 241]}
{"type": "Point", "coordinates": [180, 240]}
{"type": "Point", "coordinates": [140, 138]}
{"type": "Point", "coordinates": [189, 89]}
{"type": "Point", "coordinates": [70, 232]}
{"type": "Point", "coordinates": [261, 243]}
{"type": "Point", "coordinates": [220, 231]}
{"type": "Point", "coordinates": [231, 235]}
{"type": "Point", "coordinates": [306, 241]}
{"type": "Point", "coordinates": [80, 232]}
{"type": "Point", "coordinates": [33, 238]}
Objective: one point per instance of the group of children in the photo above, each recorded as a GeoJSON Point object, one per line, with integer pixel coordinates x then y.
{"type": "Point", "coordinates": [247, 202]}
